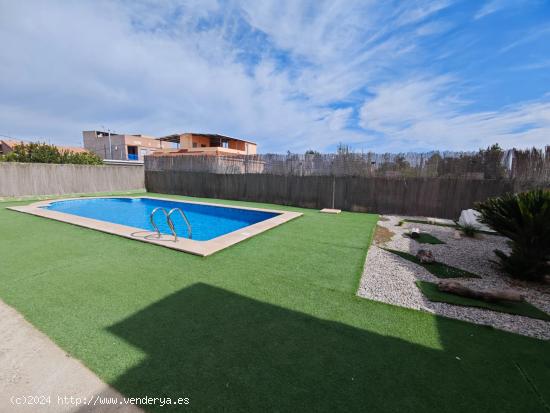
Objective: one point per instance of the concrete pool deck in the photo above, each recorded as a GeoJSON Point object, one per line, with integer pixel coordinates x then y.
{"type": "Point", "coordinates": [202, 248]}
{"type": "Point", "coordinates": [32, 367]}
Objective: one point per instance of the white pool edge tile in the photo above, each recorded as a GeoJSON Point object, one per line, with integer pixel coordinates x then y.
{"type": "Point", "coordinates": [201, 248]}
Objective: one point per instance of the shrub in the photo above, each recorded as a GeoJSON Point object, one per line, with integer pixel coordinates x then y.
{"type": "Point", "coordinates": [525, 219]}
{"type": "Point", "coordinates": [81, 158]}
{"type": "Point", "coordinates": [469, 230]}
{"type": "Point", "coordinates": [43, 153]}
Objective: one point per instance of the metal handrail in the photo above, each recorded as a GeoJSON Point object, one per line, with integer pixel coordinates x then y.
{"type": "Point", "coordinates": [168, 221]}
{"type": "Point", "coordinates": [189, 229]}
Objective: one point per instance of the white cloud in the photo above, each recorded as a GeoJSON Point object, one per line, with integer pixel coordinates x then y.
{"type": "Point", "coordinates": [422, 113]}
{"type": "Point", "coordinates": [542, 64]}
{"type": "Point", "coordinates": [494, 6]}
{"type": "Point", "coordinates": [530, 36]}
{"type": "Point", "coordinates": [143, 67]}
{"type": "Point", "coordinates": [338, 119]}
{"type": "Point", "coordinates": [432, 28]}
{"type": "Point", "coordinates": [270, 71]}
{"type": "Point", "coordinates": [490, 7]}
{"type": "Point", "coordinates": [415, 12]}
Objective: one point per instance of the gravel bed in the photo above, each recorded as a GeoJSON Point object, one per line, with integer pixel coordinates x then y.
{"type": "Point", "coordinates": [390, 279]}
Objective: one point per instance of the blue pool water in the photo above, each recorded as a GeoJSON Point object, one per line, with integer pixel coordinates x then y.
{"type": "Point", "coordinates": [207, 221]}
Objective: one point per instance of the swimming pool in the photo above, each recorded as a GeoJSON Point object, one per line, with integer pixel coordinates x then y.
{"type": "Point", "coordinates": [207, 221]}
{"type": "Point", "coordinates": [213, 226]}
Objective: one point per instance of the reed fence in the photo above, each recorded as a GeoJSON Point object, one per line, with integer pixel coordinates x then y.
{"type": "Point", "coordinates": [418, 184]}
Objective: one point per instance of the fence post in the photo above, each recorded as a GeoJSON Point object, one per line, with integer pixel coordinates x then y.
{"type": "Point", "coordinates": [333, 189]}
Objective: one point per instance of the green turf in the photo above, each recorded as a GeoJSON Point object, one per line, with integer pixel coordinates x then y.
{"type": "Point", "coordinates": [438, 269]}
{"type": "Point", "coordinates": [269, 324]}
{"type": "Point", "coordinates": [523, 308]}
{"type": "Point", "coordinates": [424, 238]}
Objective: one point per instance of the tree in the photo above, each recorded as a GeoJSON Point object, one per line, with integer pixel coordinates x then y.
{"type": "Point", "coordinates": [38, 152]}
{"type": "Point", "coordinates": [432, 164]}
{"type": "Point", "coordinates": [343, 149]}
{"type": "Point", "coordinates": [491, 159]}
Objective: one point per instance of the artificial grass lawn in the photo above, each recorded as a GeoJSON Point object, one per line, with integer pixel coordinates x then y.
{"type": "Point", "coordinates": [269, 324]}
{"type": "Point", "coordinates": [523, 308]}
{"type": "Point", "coordinates": [438, 269]}
{"type": "Point", "coordinates": [424, 238]}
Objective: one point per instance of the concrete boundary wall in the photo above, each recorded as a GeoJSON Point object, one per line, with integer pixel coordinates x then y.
{"type": "Point", "coordinates": [25, 179]}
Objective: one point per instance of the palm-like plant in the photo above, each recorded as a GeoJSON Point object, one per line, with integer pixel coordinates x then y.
{"type": "Point", "coordinates": [524, 218]}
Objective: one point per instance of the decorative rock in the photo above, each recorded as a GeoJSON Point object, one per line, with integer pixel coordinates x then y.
{"type": "Point", "coordinates": [457, 288]}
{"type": "Point", "coordinates": [415, 232]}
{"type": "Point", "coordinates": [330, 211]}
{"type": "Point", "coordinates": [456, 234]}
{"type": "Point", "coordinates": [470, 218]}
{"type": "Point", "coordinates": [506, 294]}
{"type": "Point", "coordinates": [425, 256]}
{"type": "Point", "coordinates": [470, 254]}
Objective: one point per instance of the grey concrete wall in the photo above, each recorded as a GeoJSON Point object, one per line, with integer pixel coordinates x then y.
{"type": "Point", "coordinates": [23, 179]}
{"type": "Point", "coordinates": [100, 146]}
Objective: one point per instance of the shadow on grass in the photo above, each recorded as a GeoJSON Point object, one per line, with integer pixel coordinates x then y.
{"type": "Point", "coordinates": [227, 352]}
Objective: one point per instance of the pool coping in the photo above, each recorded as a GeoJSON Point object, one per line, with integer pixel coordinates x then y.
{"type": "Point", "coordinates": [201, 248]}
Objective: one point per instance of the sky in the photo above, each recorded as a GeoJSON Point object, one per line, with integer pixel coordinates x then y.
{"type": "Point", "coordinates": [382, 76]}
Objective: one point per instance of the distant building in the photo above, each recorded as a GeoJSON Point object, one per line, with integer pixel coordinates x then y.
{"type": "Point", "coordinates": [77, 149]}
{"type": "Point", "coordinates": [122, 147]}
{"type": "Point", "coordinates": [6, 146]}
{"type": "Point", "coordinates": [206, 144]}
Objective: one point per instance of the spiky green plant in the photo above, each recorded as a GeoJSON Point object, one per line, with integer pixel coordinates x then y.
{"type": "Point", "coordinates": [469, 230]}
{"type": "Point", "coordinates": [524, 218]}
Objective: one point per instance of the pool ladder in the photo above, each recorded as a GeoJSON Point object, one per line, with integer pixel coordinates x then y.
{"type": "Point", "coordinates": [168, 216]}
